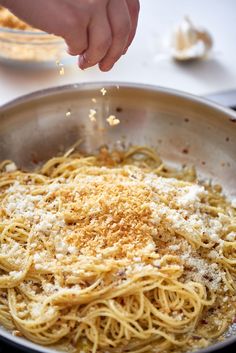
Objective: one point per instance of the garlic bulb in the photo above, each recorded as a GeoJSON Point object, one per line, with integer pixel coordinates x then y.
{"type": "Point", "coordinates": [190, 42]}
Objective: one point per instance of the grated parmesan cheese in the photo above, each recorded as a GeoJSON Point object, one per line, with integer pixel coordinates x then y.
{"type": "Point", "coordinates": [231, 236]}
{"type": "Point", "coordinates": [174, 247]}
{"type": "Point", "coordinates": [191, 195]}
{"type": "Point", "coordinates": [105, 215]}
{"type": "Point", "coordinates": [16, 274]}
{"type": "Point", "coordinates": [11, 167]}
{"type": "Point", "coordinates": [202, 271]}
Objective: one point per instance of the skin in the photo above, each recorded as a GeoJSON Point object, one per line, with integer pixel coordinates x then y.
{"type": "Point", "coordinates": [98, 31]}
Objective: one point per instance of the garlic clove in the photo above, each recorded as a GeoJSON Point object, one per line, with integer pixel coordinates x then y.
{"type": "Point", "coordinates": [190, 42]}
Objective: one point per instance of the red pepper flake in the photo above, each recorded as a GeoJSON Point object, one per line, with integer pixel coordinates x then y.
{"type": "Point", "coordinates": [204, 322]}
{"type": "Point", "coordinates": [186, 120]}
{"type": "Point", "coordinates": [185, 151]}
{"type": "Point", "coordinates": [195, 337]}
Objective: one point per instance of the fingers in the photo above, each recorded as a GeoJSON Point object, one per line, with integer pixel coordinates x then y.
{"type": "Point", "coordinates": [76, 44]}
{"type": "Point", "coordinates": [120, 23]}
{"type": "Point", "coordinates": [100, 39]}
{"type": "Point", "coordinates": [107, 36]}
{"type": "Point", "coordinates": [134, 7]}
{"type": "Point", "coordinates": [74, 32]}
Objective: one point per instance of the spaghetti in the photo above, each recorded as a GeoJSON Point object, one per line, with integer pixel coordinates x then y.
{"type": "Point", "coordinates": [115, 253]}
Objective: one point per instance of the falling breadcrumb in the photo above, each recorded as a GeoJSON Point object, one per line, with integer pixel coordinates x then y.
{"type": "Point", "coordinates": [92, 114]}
{"type": "Point", "coordinates": [112, 120]}
{"type": "Point", "coordinates": [94, 100]}
{"type": "Point", "coordinates": [61, 68]}
{"type": "Point", "coordinates": [62, 71]}
{"type": "Point", "coordinates": [68, 113]}
{"type": "Point", "coordinates": [103, 91]}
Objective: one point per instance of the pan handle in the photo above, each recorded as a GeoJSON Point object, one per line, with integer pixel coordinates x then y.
{"type": "Point", "coordinates": [225, 98]}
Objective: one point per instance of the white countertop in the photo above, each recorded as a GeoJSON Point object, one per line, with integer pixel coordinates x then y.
{"type": "Point", "coordinates": [146, 62]}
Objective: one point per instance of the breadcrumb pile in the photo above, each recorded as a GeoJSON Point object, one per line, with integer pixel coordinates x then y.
{"type": "Point", "coordinates": [8, 20]}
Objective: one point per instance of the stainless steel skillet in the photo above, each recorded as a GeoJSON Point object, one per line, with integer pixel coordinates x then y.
{"type": "Point", "coordinates": [183, 128]}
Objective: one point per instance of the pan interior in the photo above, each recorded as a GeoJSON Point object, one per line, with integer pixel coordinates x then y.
{"type": "Point", "coordinates": [184, 130]}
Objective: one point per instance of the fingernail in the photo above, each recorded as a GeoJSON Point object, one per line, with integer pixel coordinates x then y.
{"type": "Point", "coordinates": [105, 67]}
{"type": "Point", "coordinates": [82, 61]}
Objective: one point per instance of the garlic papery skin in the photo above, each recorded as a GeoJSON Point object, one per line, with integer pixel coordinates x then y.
{"type": "Point", "coordinates": [189, 42]}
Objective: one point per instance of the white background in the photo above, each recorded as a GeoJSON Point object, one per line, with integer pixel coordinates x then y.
{"type": "Point", "coordinates": [146, 61]}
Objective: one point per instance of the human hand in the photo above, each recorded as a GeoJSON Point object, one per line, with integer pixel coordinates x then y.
{"type": "Point", "coordinates": [99, 31]}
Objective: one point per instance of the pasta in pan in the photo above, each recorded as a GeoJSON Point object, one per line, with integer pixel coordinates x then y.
{"type": "Point", "coordinates": [115, 252]}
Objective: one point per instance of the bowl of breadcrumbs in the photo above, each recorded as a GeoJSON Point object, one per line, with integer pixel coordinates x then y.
{"type": "Point", "coordinates": [21, 43]}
